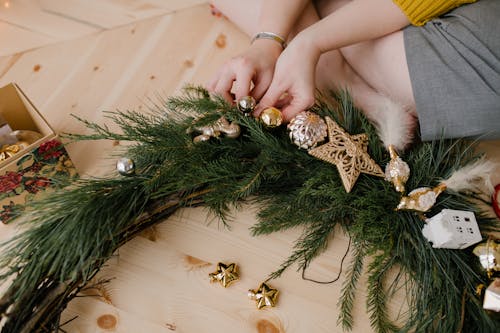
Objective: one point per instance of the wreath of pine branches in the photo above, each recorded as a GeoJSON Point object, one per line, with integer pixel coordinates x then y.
{"type": "Point", "coordinates": [68, 236]}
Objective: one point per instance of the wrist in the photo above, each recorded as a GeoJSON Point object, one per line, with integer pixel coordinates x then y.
{"type": "Point", "coordinates": [307, 45]}
{"type": "Point", "coordinates": [267, 46]}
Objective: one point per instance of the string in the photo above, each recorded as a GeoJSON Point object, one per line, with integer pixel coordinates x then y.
{"type": "Point", "coordinates": [340, 271]}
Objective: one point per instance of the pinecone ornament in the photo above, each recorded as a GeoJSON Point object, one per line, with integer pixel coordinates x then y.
{"type": "Point", "coordinates": [307, 129]}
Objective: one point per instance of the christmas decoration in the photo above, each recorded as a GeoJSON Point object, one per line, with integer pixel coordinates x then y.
{"type": "Point", "coordinates": [348, 153]}
{"type": "Point", "coordinates": [10, 150]}
{"type": "Point", "coordinates": [452, 229]}
{"type": "Point", "coordinates": [271, 117]}
{"type": "Point", "coordinates": [307, 129]}
{"type": "Point", "coordinates": [492, 296]}
{"type": "Point", "coordinates": [474, 178]}
{"type": "Point", "coordinates": [230, 130]}
{"type": "Point", "coordinates": [397, 171]}
{"type": "Point", "coordinates": [489, 256]}
{"type": "Point", "coordinates": [125, 166]}
{"type": "Point", "coordinates": [290, 188]}
{"type": "Point", "coordinates": [421, 199]}
{"type": "Point", "coordinates": [225, 274]}
{"type": "Point", "coordinates": [246, 105]}
{"type": "Point", "coordinates": [496, 200]}
{"type": "Point", "coordinates": [264, 296]}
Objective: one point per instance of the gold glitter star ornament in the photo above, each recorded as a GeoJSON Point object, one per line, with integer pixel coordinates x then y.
{"type": "Point", "coordinates": [264, 296]}
{"type": "Point", "coordinates": [348, 153]}
{"type": "Point", "coordinates": [225, 274]}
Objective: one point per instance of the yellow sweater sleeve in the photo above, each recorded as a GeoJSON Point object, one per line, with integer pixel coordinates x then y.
{"type": "Point", "coordinates": [421, 11]}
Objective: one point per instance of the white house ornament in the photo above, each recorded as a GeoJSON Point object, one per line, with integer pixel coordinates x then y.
{"type": "Point", "coordinates": [225, 274]}
{"type": "Point", "coordinates": [452, 229]}
{"type": "Point", "coordinates": [397, 171]}
{"type": "Point", "coordinates": [264, 296]}
{"type": "Point", "coordinates": [492, 296]}
{"type": "Point", "coordinates": [348, 153]}
{"type": "Point", "coordinates": [125, 166]}
{"type": "Point", "coordinates": [221, 126]}
{"type": "Point", "coordinates": [307, 129]}
{"type": "Point", "coordinates": [246, 105]}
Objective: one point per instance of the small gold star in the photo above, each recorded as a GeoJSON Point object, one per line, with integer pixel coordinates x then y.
{"type": "Point", "coordinates": [264, 296]}
{"type": "Point", "coordinates": [225, 274]}
{"type": "Point", "coordinates": [348, 153]}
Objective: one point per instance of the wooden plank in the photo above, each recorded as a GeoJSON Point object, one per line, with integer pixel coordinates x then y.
{"type": "Point", "coordinates": [28, 15]}
{"type": "Point", "coordinates": [112, 13]}
{"type": "Point", "coordinates": [120, 69]}
{"type": "Point", "coordinates": [15, 39]}
{"type": "Point", "coordinates": [161, 282]}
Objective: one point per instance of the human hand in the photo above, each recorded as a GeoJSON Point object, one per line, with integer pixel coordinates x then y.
{"type": "Point", "coordinates": [256, 65]}
{"type": "Point", "coordinates": [292, 87]}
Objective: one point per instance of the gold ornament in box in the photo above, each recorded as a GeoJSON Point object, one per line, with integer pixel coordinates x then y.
{"type": "Point", "coordinates": [35, 160]}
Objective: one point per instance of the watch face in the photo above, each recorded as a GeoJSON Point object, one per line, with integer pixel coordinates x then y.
{"type": "Point", "coordinates": [496, 200]}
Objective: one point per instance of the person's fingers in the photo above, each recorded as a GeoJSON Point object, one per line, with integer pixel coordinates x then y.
{"type": "Point", "coordinates": [242, 83]}
{"type": "Point", "coordinates": [297, 104]}
{"type": "Point", "coordinates": [262, 83]}
{"type": "Point", "coordinates": [270, 98]}
{"type": "Point", "coordinates": [224, 86]}
{"type": "Point", "coordinates": [210, 86]}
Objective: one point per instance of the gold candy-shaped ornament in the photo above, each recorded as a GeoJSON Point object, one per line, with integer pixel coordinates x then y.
{"type": "Point", "coordinates": [397, 171]}
{"type": "Point", "coordinates": [221, 126]}
{"type": "Point", "coordinates": [16, 142]}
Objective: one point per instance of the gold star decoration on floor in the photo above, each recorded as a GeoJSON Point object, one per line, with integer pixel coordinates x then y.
{"type": "Point", "coordinates": [225, 274]}
{"type": "Point", "coordinates": [264, 296]}
{"type": "Point", "coordinates": [348, 153]}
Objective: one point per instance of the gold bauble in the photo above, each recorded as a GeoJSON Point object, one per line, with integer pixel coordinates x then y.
{"type": "Point", "coordinates": [246, 105]}
{"type": "Point", "coordinates": [271, 117]}
{"type": "Point", "coordinates": [489, 256]}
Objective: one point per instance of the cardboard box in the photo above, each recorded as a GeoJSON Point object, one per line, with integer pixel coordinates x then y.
{"type": "Point", "coordinates": [42, 165]}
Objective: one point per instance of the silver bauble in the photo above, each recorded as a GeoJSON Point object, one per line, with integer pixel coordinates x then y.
{"type": "Point", "coordinates": [307, 129]}
{"type": "Point", "coordinates": [125, 166]}
{"type": "Point", "coordinates": [246, 105]}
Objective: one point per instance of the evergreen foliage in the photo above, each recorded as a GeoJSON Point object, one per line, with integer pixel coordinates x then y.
{"type": "Point", "coordinates": [69, 235]}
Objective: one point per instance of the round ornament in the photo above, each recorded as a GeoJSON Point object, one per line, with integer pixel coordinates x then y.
{"type": "Point", "coordinates": [307, 129]}
{"type": "Point", "coordinates": [271, 117]}
{"type": "Point", "coordinates": [489, 255]}
{"type": "Point", "coordinates": [125, 166]}
{"type": "Point", "coordinates": [246, 105]}
{"type": "Point", "coordinates": [496, 200]}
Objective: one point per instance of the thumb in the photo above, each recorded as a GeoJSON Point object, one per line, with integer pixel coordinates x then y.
{"type": "Point", "coordinates": [296, 106]}
{"type": "Point", "coordinates": [270, 98]}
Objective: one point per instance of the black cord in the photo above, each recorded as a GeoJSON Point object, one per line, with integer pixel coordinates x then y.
{"type": "Point", "coordinates": [340, 271]}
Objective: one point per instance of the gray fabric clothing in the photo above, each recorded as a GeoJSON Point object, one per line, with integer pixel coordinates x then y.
{"type": "Point", "coordinates": [454, 65]}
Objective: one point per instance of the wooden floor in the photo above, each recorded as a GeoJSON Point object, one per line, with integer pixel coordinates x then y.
{"type": "Point", "coordinates": [86, 56]}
